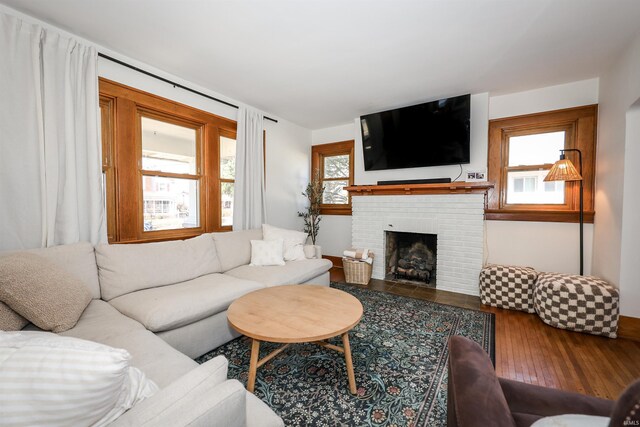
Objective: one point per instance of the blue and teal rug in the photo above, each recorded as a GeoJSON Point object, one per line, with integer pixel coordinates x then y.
{"type": "Point", "coordinates": [400, 362]}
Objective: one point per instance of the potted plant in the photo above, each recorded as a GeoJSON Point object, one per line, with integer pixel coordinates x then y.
{"type": "Point", "coordinates": [311, 215]}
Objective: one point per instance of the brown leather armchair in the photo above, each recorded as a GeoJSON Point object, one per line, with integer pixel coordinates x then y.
{"type": "Point", "coordinates": [477, 397]}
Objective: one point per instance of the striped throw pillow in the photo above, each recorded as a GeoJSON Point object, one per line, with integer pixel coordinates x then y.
{"type": "Point", "coordinates": [50, 380]}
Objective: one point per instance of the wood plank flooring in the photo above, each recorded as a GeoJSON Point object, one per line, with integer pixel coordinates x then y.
{"type": "Point", "coordinates": [527, 350]}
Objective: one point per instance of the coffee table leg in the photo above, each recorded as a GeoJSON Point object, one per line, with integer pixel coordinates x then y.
{"type": "Point", "coordinates": [349, 362]}
{"type": "Point", "coordinates": [253, 365]}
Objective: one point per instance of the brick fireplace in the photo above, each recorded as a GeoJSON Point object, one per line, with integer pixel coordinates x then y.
{"type": "Point", "coordinates": [456, 218]}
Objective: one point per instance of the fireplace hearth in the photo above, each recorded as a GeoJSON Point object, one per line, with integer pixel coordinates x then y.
{"type": "Point", "coordinates": [411, 257]}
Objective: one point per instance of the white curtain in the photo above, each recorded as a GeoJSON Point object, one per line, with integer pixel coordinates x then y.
{"type": "Point", "coordinates": [249, 208]}
{"type": "Point", "coordinates": [50, 150]}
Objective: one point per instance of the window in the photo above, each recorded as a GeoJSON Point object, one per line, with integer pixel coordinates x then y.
{"type": "Point", "coordinates": [227, 177]}
{"type": "Point", "coordinates": [522, 150]}
{"type": "Point", "coordinates": [333, 163]}
{"type": "Point", "coordinates": [169, 169]}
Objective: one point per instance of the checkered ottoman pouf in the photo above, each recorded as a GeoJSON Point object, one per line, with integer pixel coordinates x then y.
{"type": "Point", "coordinates": [578, 303]}
{"type": "Point", "coordinates": [508, 287]}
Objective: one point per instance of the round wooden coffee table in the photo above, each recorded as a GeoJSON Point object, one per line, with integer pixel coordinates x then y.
{"type": "Point", "coordinates": [295, 314]}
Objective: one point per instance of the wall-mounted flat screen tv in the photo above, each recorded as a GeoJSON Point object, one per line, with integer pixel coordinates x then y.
{"type": "Point", "coordinates": [431, 134]}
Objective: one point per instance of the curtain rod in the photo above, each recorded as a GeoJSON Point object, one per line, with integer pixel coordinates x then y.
{"type": "Point", "coordinates": [155, 76]}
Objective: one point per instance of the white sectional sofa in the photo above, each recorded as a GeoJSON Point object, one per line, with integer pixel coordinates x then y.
{"type": "Point", "coordinates": [166, 304]}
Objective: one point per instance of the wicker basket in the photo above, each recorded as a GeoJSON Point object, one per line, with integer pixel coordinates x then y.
{"type": "Point", "coordinates": [357, 272]}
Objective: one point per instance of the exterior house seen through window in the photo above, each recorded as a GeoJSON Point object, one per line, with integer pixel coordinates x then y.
{"type": "Point", "coordinates": [170, 184]}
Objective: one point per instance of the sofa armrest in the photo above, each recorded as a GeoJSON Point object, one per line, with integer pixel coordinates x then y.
{"type": "Point", "coordinates": [474, 394]}
{"type": "Point", "coordinates": [260, 415]}
{"type": "Point", "coordinates": [535, 401]}
{"type": "Point", "coordinates": [206, 405]}
{"type": "Point", "coordinates": [203, 396]}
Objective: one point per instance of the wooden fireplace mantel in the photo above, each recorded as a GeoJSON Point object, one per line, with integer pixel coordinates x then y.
{"type": "Point", "coordinates": [410, 189]}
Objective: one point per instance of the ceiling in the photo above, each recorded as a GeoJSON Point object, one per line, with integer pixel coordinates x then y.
{"type": "Point", "coordinates": [320, 63]}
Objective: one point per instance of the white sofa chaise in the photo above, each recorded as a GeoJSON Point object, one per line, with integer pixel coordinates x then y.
{"type": "Point", "coordinates": [166, 304]}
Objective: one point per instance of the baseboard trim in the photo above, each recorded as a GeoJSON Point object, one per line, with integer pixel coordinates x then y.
{"type": "Point", "coordinates": [629, 328]}
{"type": "Point", "coordinates": [336, 260]}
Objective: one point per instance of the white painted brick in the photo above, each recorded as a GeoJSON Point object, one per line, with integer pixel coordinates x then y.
{"type": "Point", "coordinates": [457, 219]}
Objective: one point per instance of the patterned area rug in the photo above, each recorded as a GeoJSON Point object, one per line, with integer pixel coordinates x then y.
{"type": "Point", "coordinates": [400, 360]}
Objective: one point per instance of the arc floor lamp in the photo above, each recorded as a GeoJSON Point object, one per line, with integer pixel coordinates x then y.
{"type": "Point", "coordinates": [563, 170]}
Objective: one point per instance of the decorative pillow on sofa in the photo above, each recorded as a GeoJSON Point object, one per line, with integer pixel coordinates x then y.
{"type": "Point", "coordinates": [267, 252]}
{"type": "Point", "coordinates": [10, 320]}
{"type": "Point", "coordinates": [293, 241]}
{"type": "Point", "coordinates": [48, 379]}
{"type": "Point", "coordinates": [42, 292]}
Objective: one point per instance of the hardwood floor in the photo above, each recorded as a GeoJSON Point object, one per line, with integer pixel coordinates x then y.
{"type": "Point", "coordinates": [527, 350]}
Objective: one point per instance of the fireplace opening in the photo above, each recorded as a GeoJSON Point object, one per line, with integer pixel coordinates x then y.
{"type": "Point", "coordinates": [411, 257]}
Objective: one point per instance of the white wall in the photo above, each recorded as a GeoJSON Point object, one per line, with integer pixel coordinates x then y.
{"type": "Point", "coordinates": [546, 246]}
{"type": "Point", "coordinates": [288, 160]}
{"type": "Point", "coordinates": [335, 230]}
{"type": "Point", "coordinates": [535, 244]}
{"type": "Point", "coordinates": [630, 244]}
{"type": "Point", "coordinates": [583, 92]}
{"type": "Point", "coordinates": [617, 232]}
{"type": "Point", "coordinates": [287, 142]}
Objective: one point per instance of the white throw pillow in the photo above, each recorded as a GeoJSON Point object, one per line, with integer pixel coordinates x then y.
{"type": "Point", "coordinates": [293, 241]}
{"type": "Point", "coordinates": [266, 252]}
{"type": "Point", "coordinates": [51, 380]}
{"type": "Point", "coordinates": [571, 420]}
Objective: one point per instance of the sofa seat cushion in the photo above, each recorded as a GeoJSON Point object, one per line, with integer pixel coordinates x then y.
{"type": "Point", "coordinates": [169, 307]}
{"type": "Point", "coordinates": [160, 362]}
{"type": "Point", "coordinates": [293, 272]}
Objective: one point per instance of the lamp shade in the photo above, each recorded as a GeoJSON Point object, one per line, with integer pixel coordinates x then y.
{"type": "Point", "coordinates": [563, 170]}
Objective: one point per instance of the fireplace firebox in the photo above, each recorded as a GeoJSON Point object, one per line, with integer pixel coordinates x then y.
{"type": "Point", "coordinates": [411, 257]}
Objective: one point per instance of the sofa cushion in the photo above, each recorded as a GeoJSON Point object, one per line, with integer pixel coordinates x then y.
{"type": "Point", "coordinates": [10, 320]}
{"type": "Point", "coordinates": [293, 241]}
{"type": "Point", "coordinates": [129, 268]}
{"type": "Point", "coordinates": [41, 291]}
{"type": "Point", "coordinates": [266, 252]}
{"type": "Point", "coordinates": [475, 397]}
{"type": "Point", "coordinates": [51, 380]}
{"type": "Point", "coordinates": [293, 272]}
{"type": "Point", "coordinates": [173, 306]}
{"type": "Point", "coordinates": [234, 248]}
{"type": "Point", "coordinates": [160, 362]}
{"type": "Point", "coordinates": [78, 259]}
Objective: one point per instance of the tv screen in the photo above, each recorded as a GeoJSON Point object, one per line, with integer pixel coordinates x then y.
{"type": "Point", "coordinates": [430, 134]}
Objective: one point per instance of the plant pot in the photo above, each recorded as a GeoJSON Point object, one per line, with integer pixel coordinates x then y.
{"type": "Point", "coordinates": [318, 249]}
{"type": "Point", "coordinates": [309, 251]}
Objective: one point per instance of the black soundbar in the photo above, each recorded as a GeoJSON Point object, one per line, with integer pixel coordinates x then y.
{"type": "Point", "coordinates": [417, 181]}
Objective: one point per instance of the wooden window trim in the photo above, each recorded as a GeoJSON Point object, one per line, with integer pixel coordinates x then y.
{"type": "Point", "coordinates": [580, 124]}
{"type": "Point", "coordinates": [123, 167]}
{"type": "Point", "coordinates": [318, 153]}
{"type": "Point", "coordinates": [107, 119]}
